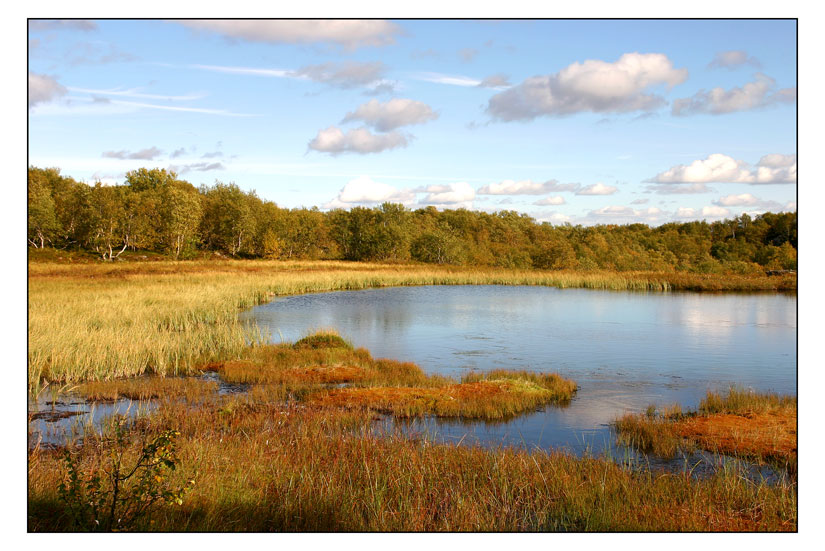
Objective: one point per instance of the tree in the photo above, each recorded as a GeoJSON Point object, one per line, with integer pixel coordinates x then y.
{"type": "Point", "coordinates": [42, 218]}
{"type": "Point", "coordinates": [181, 214]}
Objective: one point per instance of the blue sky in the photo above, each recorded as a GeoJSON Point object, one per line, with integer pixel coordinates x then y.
{"type": "Point", "coordinates": [568, 121]}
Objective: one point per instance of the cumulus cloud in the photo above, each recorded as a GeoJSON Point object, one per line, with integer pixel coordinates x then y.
{"type": "Point", "coordinates": [688, 213]}
{"type": "Point", "coordinates": [43, 88]}
{"type": "Point", "coordinates": [732, 59]}
{"type": "Point", "coordinates": [393, 114]}
{"type": "Point", "coordinates": [350, 74]}
{"type": "Point", "coordinates": [679, 189]}
{"type": "Point", "coordinates": [592, 86]}
{"type": "Point", "coordinates": [348, 34]}
{"type": "Point", "coordinates": [495, 81]}
{"type": "Point", "coordinates": [178, 153]}
{"type": "Point", "coordinates": [62, 24]}
{"type": "Point", "coordinates": [144, 154]}
{"type": "Point", "coordinates": [333, 140]}
{"type": "Point", "coordinates": [748, 200]}
{"type": "Point", "coordinates": [526, 187]}
{"type": "Point", "coordinates": [454, 195]}
{"type": "Point", "coordinates": [597, 189]}
{"type": "Point", "coordinates": [742, 200]}
{"type": "Point", "coordinates": [623, 214]}
{"type": "Point", "coordinates": [771, 169]}
{"type": "Point", "coordinates": [555, 200]}
{"type": "Point", "coordinates": [364, 190]}
{"type": "Point", "coordinates": [760, 93]}
{"type": "Point", "coordinates": [640, 201]}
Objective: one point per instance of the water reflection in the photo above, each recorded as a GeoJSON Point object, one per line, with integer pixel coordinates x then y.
{"type": "Point", "coordinates": [625, 350]}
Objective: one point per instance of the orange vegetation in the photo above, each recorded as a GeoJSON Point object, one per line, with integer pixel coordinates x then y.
{"type": "Point", "coordinates": [498, 398]}
{"type": "Point", "coordinates": [767, 435]}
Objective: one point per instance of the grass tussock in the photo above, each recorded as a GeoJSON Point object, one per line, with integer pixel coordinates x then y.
{"type": "Point", "coordinates": [398, 388]}
{"type": "Point", "coordinates": [271, 467]}
{"type": "Point", "coordinates": [147, 388]}
{"type": "Point", "coordinates": [109, 321]}
{"type": "Point", "coordinates": [327, 338]}
{"type": "Point", "coordinates": [760, 426]}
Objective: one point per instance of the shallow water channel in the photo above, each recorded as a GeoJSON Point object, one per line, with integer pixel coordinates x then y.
{"type": "Point", "coordinates": [625, 350]}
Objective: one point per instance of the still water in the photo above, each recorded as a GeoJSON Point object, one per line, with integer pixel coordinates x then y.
{"type": "Point", "coordinates": [625, 350]}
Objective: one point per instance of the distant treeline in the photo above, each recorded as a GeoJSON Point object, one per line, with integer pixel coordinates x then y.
{"type": "Point", "coordinates": [156, 211]}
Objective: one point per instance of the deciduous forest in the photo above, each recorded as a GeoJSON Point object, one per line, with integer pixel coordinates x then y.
{"type": "Point", "coordinates": [156, 211]}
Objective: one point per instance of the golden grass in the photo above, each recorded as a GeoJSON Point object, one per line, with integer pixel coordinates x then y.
{"type": "Point", "coordinates": [108, 321]}
{"type": "Point", "coordinates": [761, 426]}
{"type": "Point", "coordinates": [270, 467]}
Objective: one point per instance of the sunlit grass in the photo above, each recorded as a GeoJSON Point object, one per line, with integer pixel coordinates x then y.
{"type": "Point", "coordinates": [759, 426]}
{"type": "Point", "coordinates": [274, 467]}
{"type": "Point", "coordinates": [106, 321]}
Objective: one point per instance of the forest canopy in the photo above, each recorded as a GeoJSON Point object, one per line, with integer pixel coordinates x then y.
{"type": "Point", "coordinates": [154, 210]}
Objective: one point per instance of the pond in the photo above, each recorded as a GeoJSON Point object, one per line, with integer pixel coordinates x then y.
{"type": "Point", "coordinates": [626, 350]}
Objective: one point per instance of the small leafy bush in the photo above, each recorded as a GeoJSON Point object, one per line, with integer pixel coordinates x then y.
{"type": "Point", "coordinates": [116, 497]}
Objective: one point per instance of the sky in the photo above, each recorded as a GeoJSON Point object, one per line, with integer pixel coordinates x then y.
{"type": "Point", "coordinates": [579, 121]}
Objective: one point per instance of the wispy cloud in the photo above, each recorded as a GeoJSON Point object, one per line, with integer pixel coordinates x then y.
{"type": "Point", "coordinates": [135, 93]}
{"type": "Point", "coordinates": [147, 154]}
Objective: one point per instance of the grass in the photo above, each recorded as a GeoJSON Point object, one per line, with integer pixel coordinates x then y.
{"type": "Point", "coordinates": [261, 466]}
{"type": "Point", "coordinates": [280, 458]}
{"type": "Point", "coordinates": [147, 388]}
{"type": "Point", "coordinates": [760, 426]}
{"type": "Point", "coordinates": [398, 388]}
{"type": "Point", "coordinates": [105, 321]}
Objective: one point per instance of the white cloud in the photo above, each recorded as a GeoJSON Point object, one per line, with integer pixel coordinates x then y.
{"type": "Point", "coordinates": [592, 86]}
{"type": "Point", "coordinates": [364, 190]}
{"type": "Point", "coordinates": [348, 34]}
{"type": "Point", "coordinates": [196, 167]}
{"type": "Point", "coordinates": [597, 189]}
{"type": "Point", "coordinates": [791, 206]}
{"type": "Point", "coordinates": [679, 189]}
{"type": "Point", "coordinates": [454, 195]}
{"type": "Point", "coordinates": [350, 74]}
{"type": "Point", "coordinates": [499, 81]}
{"type": "Point", "coordinates": [43, 89]}
{"type": "Point", "coordinates": [453, 80]}
{"type": "Point", "coordinates": [253, 71]}
{"type": "Point", "coordinates": [526, 187]}
{"type": "Point", "coordinates": [742, 200]}
{"type": "Point", "coordinates": [732, 59]}
{"type": "Point", "coordinates": [135, 93]}
{"type": "Point", "coordinates": [333, 140]}
{"type": "Point", "coordinates": [616, 214]}
{"type": "Point", "coordinates": [393, 114]}
{"type": "Point", "coordinates": [715, 212]}
{"type": "Point", "coordinates": [771, 169]}
{"type": "Point", "coordinates": [688, 213]}
{"type": "Point", "coordinates": [144, 154]}
{"type": "Point", "coordinates": [753, 95]}
{"type": "Point", "coordinates": [62, 24]}
{"type": "Point", "coordinates": [556, 200]}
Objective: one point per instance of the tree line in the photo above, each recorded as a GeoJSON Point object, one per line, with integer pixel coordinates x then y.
{"type": "Point", "coordinates": [154, 210]}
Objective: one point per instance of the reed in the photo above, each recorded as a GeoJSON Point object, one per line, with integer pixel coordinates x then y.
{"type": "Point", "coordinates": [108, 321]}
{"type": "Point", "coordinates": [276, 467]}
